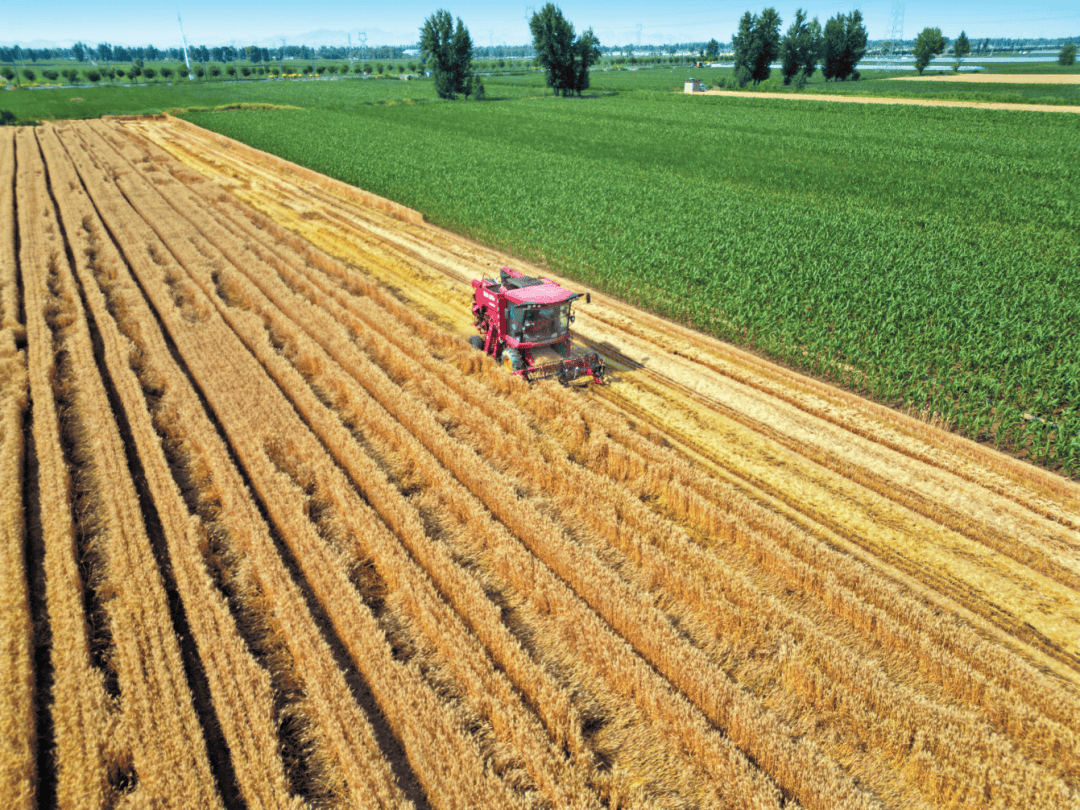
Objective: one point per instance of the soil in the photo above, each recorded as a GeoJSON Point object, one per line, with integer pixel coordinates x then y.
{"type": "Point", "coordinates": [920, 102]}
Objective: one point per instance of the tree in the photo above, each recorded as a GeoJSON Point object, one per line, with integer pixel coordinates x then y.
{"type": "Point", "coordinates": [29, 74]}
{"type": "Point", "coordinates": [104, 51]}
{"type": "Point", "coordinates": [800, 48]}
{"type": "Point", "coordinates": [78, 50]}
{"type": "Point", "coordinates": [450, 51]}
{"type": "Point", "coordinates": [93, 76]}
{"type": "Point", "coordinates": [565, 60]}
{"type": "Point", "coordinates": [149, 73]}
{"type": "Point", "coordinates": [928, 45]}
{"type": "Point", "coordinates": [1068, 55]}
{"type": "Point", "coordinates": [757, 44]}
{"type": "Point", "coordinates": [712, 49]}
{"type": "Point", "coordinates": [961, 49]}
{"type": "Point", "coordinates": [843, 45]}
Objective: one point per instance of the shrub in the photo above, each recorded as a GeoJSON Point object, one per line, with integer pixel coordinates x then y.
{"type": "Point", "coordinates": [379, 68]}
{"type": "Point", "coordinates": [29, 74]}
{"type": "Point", "coordinates": [855, 75]}
{"type": "Point", "coordinates": [93, 76]}
{"type": "Point", "coordinates": [357, 69]}
{"type": "Point", "coordinates": [149, 73]}
{"type": "Point", "coordinates": [120, 73]}
{"type": "Point", "coordinates": [215, 70]}
{"type": "Point", "coordinates": [51, 75]}
{"type": "Point", "coordinates": [7, 118]}
{"type": "Point", "coordinates": [1068, 55]}
{"type": "Point", "coordinates": [321, 69]}
{"type": "Point", "coordinates": [199, 71]}
{"type": "Point", "coordinates": [7, 73]}
{"type": "Point", "coordinates": [70, 74]}
{"type": "Point", "coordinates": [307, 70]}
{"type": "Point", "coordinates": [245, 70]}
{"type": "Point", "coordinates": [367, 68]}
{"type": "Point", "coordinates": [230, 70]}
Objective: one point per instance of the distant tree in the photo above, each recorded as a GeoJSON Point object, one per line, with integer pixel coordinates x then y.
{"type": "Point", "coordinates": [51, 75]}
{"type": "Point", "coordinates": [307, 70]}
{"type": "Point", "coordinates": [450, 52]}
{"type": "Point", "coordinates": [1068, 55]}
{"type": "Point", "coordinates": [253, 53]}
{"type": "Point", "coordinates": [757, 44]}
{"type": "Point", "coordinates": [230, 69]}
{"type": "Point", "coordinates": [712, 49]}
{"type": "Point", "coordinates": [7, 117]}
{"type": "Point", "coordinates": [93, 76]}
{"type": "Point", "coordinates": [29, 74]}
{"type": "Point", "coordinates": [367, 68]}
{"type": "Point", "coordinates": [565, 60]}
{"type": "Point", "coordinates": [929, 44]}
{"type": "Point", "coordinates": [104, 51]}
{"type": "Point", "coordinates": [961, 48]}
{"type": "Point", "coordinates": [149, 73]}
{"type": "Point", "coordinates": [215, 70]}
{"type": "Point", "coordinates": [378, 68]}
{"type": "Point", "coordinates": [321, 69]}
{"type": "Point", "coordinates": [246, 71]}
{"type": "Point", "coordinates": [70, 74]}
{"type": "Point", "coordinates": [78, 50]}
{"type": "Point", "coordinates": [843, 44]}
{"type": "Point", "coordinates": [800, 48]}
{"type": "Point", "coordinates": [10, 74]}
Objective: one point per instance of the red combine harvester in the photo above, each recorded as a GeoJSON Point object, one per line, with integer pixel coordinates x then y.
{"type": "Point", "coordinates": [528, 320]}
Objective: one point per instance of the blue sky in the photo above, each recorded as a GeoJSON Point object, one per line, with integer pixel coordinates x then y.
{"type": "Point", "coordinates": [209, 22]}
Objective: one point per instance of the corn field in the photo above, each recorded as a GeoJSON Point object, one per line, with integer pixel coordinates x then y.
{"type": "Point", "coordinates": [272, 534]}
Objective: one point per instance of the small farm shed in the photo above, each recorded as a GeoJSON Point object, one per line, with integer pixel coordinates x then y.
{"type": "Point", "coordinates": [693, 86]}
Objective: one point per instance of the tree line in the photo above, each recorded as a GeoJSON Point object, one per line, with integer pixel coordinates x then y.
{"type": "Point", "coordinates": [564, 57]}
{"type": "Point", "coordinates": [838, 47]}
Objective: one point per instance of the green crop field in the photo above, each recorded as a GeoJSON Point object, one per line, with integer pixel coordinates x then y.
{"type": "Point", "coordinates": [927, 257]}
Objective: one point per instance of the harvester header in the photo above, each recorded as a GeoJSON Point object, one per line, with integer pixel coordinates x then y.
{"type": "Point", "coordinates": [527, 320]}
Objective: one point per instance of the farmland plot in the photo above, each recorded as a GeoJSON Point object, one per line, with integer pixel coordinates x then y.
{"type": "Point", "coordinates": [275, 535]}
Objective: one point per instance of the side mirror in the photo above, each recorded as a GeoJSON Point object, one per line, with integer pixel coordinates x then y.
{"type": "Point", "coordinates": [588, 298]}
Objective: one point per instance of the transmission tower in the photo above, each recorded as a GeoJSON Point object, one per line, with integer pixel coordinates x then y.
{"type": "Point", "coordinates": [894, 43]}
{"type": "Point", "coordinates": [187, 60]}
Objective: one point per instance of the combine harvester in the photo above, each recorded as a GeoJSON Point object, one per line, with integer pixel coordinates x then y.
{"type": "Point", "coordinates": [527, 320]}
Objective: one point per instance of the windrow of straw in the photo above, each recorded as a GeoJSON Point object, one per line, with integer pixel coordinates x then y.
{"type": "Point", "coordinates": [241, 689]}
{"type": "Point", "coordinates": [253, 415]}
{"type": "Point", "coordinates": [349, 520]}
{"type": "Point", "coordinates": [17, 699]}
{"type": "Point", "coordinates": [345, 393]}
{"type": "Point", "coordinates": [139, 652]}
{"type": "Point", "coordinates": [871, 612]}
{"type": "Point", "coordinates": [901, 718]}
{"type": "Point", "coordinates": [313, 704]}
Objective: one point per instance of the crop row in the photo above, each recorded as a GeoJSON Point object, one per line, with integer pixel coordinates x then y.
{"type": "Point", "coordinates": [300, 540]}
{"type": "Point", "coordinates": [889, 698]}
{"type": "Point", "coordinates": [909, 258]}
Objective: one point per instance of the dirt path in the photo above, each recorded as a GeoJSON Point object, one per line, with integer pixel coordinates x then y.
{"type": "Point", "coordinates": [997, 78]}
{"type": "Point", "coordinates": [921, 102]}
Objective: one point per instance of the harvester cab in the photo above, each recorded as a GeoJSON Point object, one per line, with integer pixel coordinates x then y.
{"type": "Point", "coordinates": [527, 320]}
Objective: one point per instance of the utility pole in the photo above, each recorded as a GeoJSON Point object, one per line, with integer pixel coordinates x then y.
{"type": "Point", "coordinates": [187, 61]}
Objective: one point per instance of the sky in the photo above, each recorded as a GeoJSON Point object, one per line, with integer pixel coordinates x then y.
{"type": "Point", "coordinates": [265, 22]}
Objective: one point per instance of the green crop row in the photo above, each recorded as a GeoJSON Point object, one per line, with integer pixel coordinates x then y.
{"type": "Point", "coordinates": [926, 257]}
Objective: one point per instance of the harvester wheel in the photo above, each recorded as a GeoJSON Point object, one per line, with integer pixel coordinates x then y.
{"type": "Point", "coordinates": [477, 342]}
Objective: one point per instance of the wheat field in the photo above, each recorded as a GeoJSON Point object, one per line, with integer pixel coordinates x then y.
{"type": "Point", "coordinates": [272, 534]}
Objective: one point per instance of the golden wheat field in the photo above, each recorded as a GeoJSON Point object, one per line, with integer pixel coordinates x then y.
{"type": "Point", "coordinates": [272, 534]}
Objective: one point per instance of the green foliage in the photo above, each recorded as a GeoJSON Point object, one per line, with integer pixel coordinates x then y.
{"type": "Point", "coordinates": [712, 50]}
{"type": "Point", "coordinates": [961, 49]}
{"type": "Point", "coordinates": [450, 52]}
{"type": "Point", "coordinates": [843, 45]}
{"type": "Point", "coordinates": [149, 73]}
{"type": "Point", "coordinates": [1067, 56]}
{"type": "Point", "coordinates": [565, 60]}
{"type": "Point", "coordinates": [929, 44]}
{"type": "Point", "coordinates": [947, 288]}
{"type": "Point", "coordinates": [7, 73]}
{"type": "Point", "coordinates": [29, 74]}
{"type": "Point", "coordinates": [757, 44]}
{"type": "Point", "coordinates": [800, 49]}
{"type": "Point", "coordinates": [51, 75]}
{"type": "Point", "coordinates": [92, 76]}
